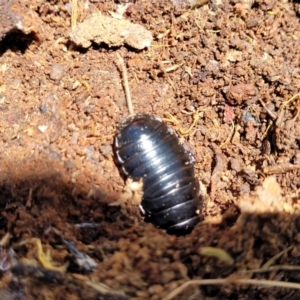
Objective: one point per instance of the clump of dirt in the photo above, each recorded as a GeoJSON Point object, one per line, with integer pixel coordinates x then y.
{"type": "Point", "coordinates": [233, 64]}
{"type": "Point", "coordinates": [111, 31]}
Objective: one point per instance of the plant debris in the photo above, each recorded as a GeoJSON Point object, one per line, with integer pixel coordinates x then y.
{"type": "Point", "coordinates": [82, 260]}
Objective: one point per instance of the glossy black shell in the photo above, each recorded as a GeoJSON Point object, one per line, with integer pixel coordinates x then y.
{"type": "Point", "coordinates": [146, 148]}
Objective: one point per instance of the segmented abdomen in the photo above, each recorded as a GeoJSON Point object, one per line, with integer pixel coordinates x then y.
{"type": "Point", "coordinates": [146, 148]}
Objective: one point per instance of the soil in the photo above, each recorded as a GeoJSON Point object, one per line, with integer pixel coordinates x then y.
{"type": "Point", "coordinates": [234, 64]}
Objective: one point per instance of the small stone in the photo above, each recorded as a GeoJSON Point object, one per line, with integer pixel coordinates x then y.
{"type": "Point", "coordinates": [240, 93]}
{"type": "Point", "coordinates": [69, 164]}
{"type": "Point", "coordinates": [106, 149]}
{"type": "Point", "coordinates": [43, 128]}
{"type": "Point", "coordinates": [155, 289]}
{"type": "Point", "coordinates": [57, 72]}
{"type": "Point", "coordinates": [235, 165]}
{"type": "Point", "coordinates": [34, 82]}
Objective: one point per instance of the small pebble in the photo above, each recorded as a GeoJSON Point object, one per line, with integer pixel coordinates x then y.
{"type": "Point", "coordinates": [54, 155]}
{"type": "Point", "coordinates": [155, 289]}
{"type": "Point", "coordinates": [34, 82]}
{"type": "Point", "coordinates": [42, 128]}
{"type": "Point", "coordinates": [235, 164]}
{"type": "Point", "coordinates": [106, 150]}
{"type": "Point", "coordinates": [69, 164]}
{"type": "Point", "coordinates": [57, 72]}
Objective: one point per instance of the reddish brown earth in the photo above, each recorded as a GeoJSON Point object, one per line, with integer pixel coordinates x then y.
{"type": "Point", "coordinates": [234, 63]}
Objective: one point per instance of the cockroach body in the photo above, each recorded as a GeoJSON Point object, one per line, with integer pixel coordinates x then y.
{"type": "Point", "coordinates": [147, 149]}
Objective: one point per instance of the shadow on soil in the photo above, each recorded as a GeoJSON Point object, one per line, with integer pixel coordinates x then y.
{"type": "Point", "coordinates": [17, 41]}
{"type": "Point", "coordinates": [36, 200]}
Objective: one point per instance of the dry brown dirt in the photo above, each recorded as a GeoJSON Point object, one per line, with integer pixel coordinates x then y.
{"type": "Point", "coordinates": [235, 64]}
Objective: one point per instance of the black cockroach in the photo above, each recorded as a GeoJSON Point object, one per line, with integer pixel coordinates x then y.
{"type": "Point", "coordinates": [147, 149]}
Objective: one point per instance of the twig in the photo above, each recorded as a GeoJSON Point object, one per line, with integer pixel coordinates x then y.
{"type": "Point", "coordinates": [121, 65]}
{"type": "Point", "coordinates": [270, 113]}
{"type": "Point", "coordinates": [284, 104]}
{"type": "Point", "coordinates": [272, 260]}
{"type": "Point", "coordinates": [229, 137]}
{"type": "Point", "coordinates": [5, 240]}
{"type": "Point", "coordinates": [266, 131]}
{"type": "Point", "coordinates": [281, 168]}
{"type": "Point", "coordinates": [74, 14]}
{"type": "Point", "coordinates": [259, 282]}
{"type": "Point", "coordinates": [272, 269]}
{"type": "Point", "coordinates": [217, 171]}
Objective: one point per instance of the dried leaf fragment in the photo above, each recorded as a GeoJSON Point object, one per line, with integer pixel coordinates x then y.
{"type": "Point", "coordinates": [113, 32]}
